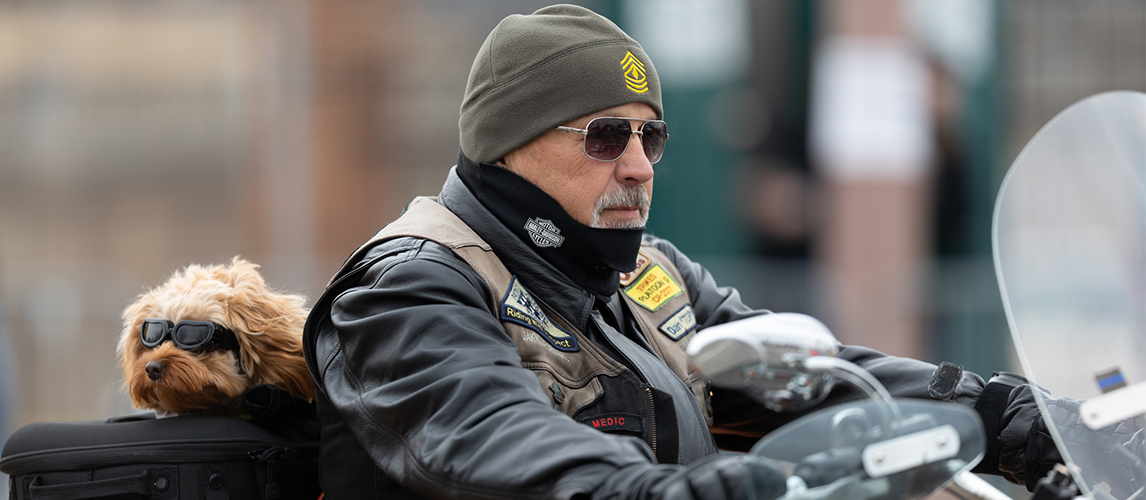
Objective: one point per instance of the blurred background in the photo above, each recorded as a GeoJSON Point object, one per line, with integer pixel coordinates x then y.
{"type": "Point", "coordinates": [833, 157]}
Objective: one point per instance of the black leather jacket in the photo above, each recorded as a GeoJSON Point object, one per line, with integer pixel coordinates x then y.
{"type": "Point", "coordinates": [422, 395]}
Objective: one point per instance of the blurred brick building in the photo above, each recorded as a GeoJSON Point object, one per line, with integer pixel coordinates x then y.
{"type": "Point", "coordinates": [138, 138]}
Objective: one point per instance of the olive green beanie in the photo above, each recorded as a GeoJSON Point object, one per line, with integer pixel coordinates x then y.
{"type": "Point", "coordinates": [539, 71]}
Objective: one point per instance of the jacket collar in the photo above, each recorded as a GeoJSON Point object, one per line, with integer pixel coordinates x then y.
{"type": "Point", "coordinates": [571, 301]}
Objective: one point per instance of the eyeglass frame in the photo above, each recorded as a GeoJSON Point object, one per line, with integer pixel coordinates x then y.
{"type": "Point", "coordinates": [221, 337]}
{"type": "Point", "coordinates": [585, 134]}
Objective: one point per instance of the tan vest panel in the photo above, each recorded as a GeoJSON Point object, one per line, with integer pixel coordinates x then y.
{"type": "Point", "coordinates": [654, 293]}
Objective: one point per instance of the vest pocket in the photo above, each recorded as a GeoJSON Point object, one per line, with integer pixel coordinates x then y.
{"type": "Point", "coordinates": [566, 399]}
{"type": "Point", "coordinates": [703, 393]}
{"type": "Point", "coordinates": [649, 414]}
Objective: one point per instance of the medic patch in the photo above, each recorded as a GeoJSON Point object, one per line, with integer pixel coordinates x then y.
{"type": "Point", "coordinates": [679, 324]}
{"type": "Point", "coordinates": [653, 288]}
{"type": "Point", "coordinates": [519, 307]}
{"type": "Point", "coordinates": [642, 261]}
{"type": "Point", "coordinates": [616, 422]}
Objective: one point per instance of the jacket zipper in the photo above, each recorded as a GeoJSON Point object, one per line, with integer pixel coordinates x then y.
{"type": "Point", "coordinates": [635, 369]}
{"type": "Point", "coordinates": [652, 420]}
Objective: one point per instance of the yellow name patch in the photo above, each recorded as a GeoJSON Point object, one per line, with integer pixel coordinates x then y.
{"type": "Point", "coordinates": [654, 288]}
{"type": "Point", "coordinates": [634, 73]}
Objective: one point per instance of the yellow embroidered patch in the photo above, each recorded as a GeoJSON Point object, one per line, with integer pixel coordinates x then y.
{"type": "Point", "coordinates": [653, 288]}
{"type": "Point", "coordinates": [642, 261]}
{"type": "Point", "coordinates": [634, 73]}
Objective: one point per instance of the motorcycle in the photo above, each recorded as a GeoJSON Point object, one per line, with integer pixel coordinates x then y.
{"type": "Point", "coordinates": [878, 448]}
{"type": "Point", "coordinates": [1070, 255]}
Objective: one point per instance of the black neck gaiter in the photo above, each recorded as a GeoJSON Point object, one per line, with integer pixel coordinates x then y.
{"type": "Point", "coordinates": [591, 257]}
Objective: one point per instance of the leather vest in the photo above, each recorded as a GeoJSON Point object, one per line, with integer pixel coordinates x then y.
{"type": "Point", "coordinates": [573, 371]}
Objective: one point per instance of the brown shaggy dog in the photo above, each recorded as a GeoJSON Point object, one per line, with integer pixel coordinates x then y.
{"type": "Point", "coordinates": [267, 325]}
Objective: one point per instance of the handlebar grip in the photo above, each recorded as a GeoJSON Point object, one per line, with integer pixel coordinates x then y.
{"type": "Point", "coordinates": [968, 486]}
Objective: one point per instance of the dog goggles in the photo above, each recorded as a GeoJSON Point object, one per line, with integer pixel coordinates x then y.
{"type": "Point", "coordinates": [188, 335]}
{"type": "Point", "coordinates": [607, 138]}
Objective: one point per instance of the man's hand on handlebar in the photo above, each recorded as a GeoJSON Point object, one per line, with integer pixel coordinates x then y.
{"type": "Point", "coordinates": [740, 477]}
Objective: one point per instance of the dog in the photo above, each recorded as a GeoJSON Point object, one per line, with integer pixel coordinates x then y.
{"type": "Point", "coordinates": [243, 334]}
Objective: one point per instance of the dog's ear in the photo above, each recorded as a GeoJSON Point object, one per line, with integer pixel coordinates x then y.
{"type": "Point", "coordinates": [268, 326]}
{"type": "Point", "coordinates": [129, 347]}
{"type": "Point", "coordinates": [287, 371]}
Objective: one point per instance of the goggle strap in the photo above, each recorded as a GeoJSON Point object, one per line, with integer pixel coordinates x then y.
{"type": "Point", "coordinates": [228, 340]}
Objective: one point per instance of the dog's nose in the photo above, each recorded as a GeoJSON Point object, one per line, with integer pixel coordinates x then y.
{"type": "Point", "coordinates": [154, 370]}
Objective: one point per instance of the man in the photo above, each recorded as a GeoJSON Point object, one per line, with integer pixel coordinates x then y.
{"type": "Point", "coordinates": [519, 336]}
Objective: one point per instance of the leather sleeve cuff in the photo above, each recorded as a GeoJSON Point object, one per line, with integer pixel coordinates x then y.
{"type": "Point", "coordinates": [991, 404]}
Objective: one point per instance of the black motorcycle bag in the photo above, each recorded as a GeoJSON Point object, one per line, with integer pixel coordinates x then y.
{"type": "Point", "coordinates": [187, 457]}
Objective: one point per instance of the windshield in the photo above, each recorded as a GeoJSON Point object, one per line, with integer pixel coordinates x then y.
{"type": "Point", "coordinates": [858, 451]}
{"type": "Point", "coordinates": [1070, 256]}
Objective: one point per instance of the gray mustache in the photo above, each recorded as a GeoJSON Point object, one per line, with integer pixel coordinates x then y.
{"type": "Point", "coordinates": [626, 196]}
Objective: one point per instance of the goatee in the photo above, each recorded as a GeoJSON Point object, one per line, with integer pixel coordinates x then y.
{"type": "Point", "coordinates": [622, 196]}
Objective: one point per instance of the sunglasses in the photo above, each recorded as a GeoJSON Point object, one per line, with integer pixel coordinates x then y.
{"type": "Point", "coordinates": [188, 335]}
{"type": "Point", "coordinates": [607, 138]}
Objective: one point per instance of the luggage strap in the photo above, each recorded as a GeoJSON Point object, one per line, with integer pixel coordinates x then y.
{"type": "Point", "coordinates": [125, 487]}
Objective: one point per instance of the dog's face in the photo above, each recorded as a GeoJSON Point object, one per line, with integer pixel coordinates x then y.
{"type": "Point", "coordinates": [267, 325]}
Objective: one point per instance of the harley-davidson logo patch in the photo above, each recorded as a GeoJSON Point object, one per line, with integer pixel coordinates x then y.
{"type": "Point", "coordinates": [543, 232]}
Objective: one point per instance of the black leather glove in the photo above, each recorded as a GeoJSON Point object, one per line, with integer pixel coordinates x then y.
{"type": "Point", "coordinates": [1124, 464]}
{"type": "Point", "coordinates": [1111, 453]}
{"type": "Point", "coordinates": [1027, 452]}
{"type": "Point", "coordinates": [1136, 445]}
{"type": "Point", "coordinates": [1008, 411]}
{"type": "Point", "coordinates": [1019, 448]}
{"type": "Point", "coordinates": [741, 477]}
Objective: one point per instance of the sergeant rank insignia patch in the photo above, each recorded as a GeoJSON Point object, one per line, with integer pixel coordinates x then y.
{"type": "Point", "coordinates": [521, 308]}
{"type": "Point", "coordinates": [634, 74]}
{"type": "Point", "coordinates": [679, 324]}
{"type": "Point", "coordinates": [653, 288]}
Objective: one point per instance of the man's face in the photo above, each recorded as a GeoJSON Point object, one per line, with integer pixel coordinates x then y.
{"type": "Point", "coordinates": [604, 194]}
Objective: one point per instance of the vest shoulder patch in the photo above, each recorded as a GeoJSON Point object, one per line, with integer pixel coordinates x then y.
{"type": "Point", "coordinates": [642, 261]}
{"type": "Point", "coordinates": [679, 323]}
{"type": "Point", "coordinates": [518, 306]}
{"type": "Point", "coordinates": [654, 288]}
